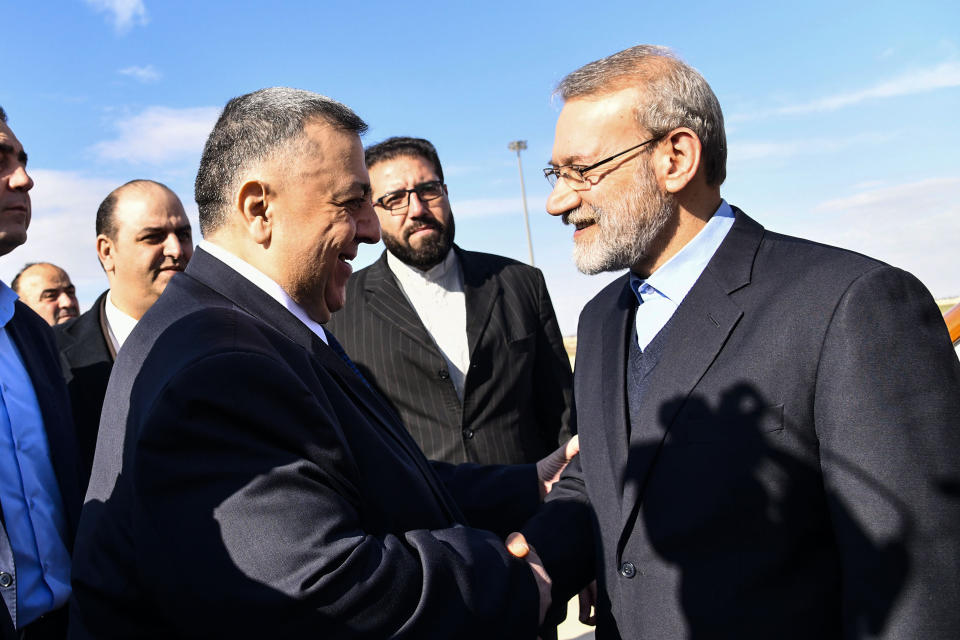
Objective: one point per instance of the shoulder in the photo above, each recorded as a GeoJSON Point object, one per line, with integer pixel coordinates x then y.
{"type": "Point", "coordinates": [81, 327]}
{"type": "Point", "coordinates": [501, 265]}
{"type": "Point", "coordinates": [31, 329]}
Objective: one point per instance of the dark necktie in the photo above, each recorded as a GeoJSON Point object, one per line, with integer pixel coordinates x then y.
{"type": "Point", "coordinates": [338, 349]}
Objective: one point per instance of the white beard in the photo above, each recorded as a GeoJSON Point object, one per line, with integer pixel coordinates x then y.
{"type": "Point", "coordinates": [624, 228]}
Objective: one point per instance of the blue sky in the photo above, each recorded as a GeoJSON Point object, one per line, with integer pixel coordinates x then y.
{"type": "Point", "coordinates": [841, 117]}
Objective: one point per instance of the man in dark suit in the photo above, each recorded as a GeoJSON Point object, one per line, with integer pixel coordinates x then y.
{"type": "Point", "coordinates": [39, 480]}
{"type": "Point", "coordinates": [769, 425]}
{"type": "Point", "coordinates": [464, 345]}
{"type": "Point", "coordinates": [247, 480]}
{"type": "Point", "coordinates": [143, 239]}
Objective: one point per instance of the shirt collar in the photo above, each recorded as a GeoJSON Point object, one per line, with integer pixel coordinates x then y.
{"type": "Point", "coordinates": [266, 284]}
{"type": "Point", "coordinates": [447, 271]}
{"type": "Point", "coordinates": [674, 279]}
{"type": "Point", "coordinates": [7, 298]}
{"type": "Point", "coordinates": [119, 323]}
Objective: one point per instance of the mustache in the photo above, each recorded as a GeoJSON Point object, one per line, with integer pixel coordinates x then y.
{"type": "Point", "coordinates": [575, 216]}
{"type": "Point", "coordinates": [420, 225]}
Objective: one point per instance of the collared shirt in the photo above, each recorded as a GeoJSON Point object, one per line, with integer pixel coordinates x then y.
{"type": "Point", "coordinates": [437, 296]}
{"type": "Point", "coordinates": [662, 292]}
{"type": "Point", "coordinates": [119, 324]}
{"type": "Point", "coordinates": [33, 509]}
{"type": "Point", "coordinates": [266, 284]}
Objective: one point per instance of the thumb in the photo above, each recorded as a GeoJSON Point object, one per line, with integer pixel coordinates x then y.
{"type": "Point", "coordinates": [517, 545]}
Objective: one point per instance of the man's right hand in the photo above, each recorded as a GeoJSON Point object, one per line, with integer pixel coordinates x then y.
{"type": "Point", "coordinates": [518, 547]}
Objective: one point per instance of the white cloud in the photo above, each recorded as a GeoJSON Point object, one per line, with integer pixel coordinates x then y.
{"type": "Point", "coordinates": [942, 76]}
{"type": "Point", "coordinates": [145, 74]}
{"type": "Point", "coordinates": [915, 226]}
{"type": "Point", "coordinates": [160, 134]}
{"type": "Point", "coordinates": [124, 13]}
{"type": "Point", "coordinates": [62, 229]}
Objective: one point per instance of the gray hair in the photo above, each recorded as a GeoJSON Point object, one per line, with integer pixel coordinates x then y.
{"type": "Point", "coordinates": [675, 95]}
{"type": "Point", "coordinates": [251, 129]}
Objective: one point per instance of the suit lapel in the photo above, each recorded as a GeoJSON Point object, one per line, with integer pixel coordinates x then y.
{"type": "Point", "coordinates": [45, 377]}
{"type": "Point", "coordinates": [257, 303]}
{"type": "Point", "coordinates": [699, 329]}
{"type": "Point", "coordinates": [615, 331]}
{"type": "Point", "coordinates": [385, 299]}
{"type": "Point", "coordinates": [481, 290]}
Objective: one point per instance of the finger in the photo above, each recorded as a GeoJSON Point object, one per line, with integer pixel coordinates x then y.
{"type": "Point", "coordinates": [572, 447]}
{"type": "Point", "coordinates": [517, 545]}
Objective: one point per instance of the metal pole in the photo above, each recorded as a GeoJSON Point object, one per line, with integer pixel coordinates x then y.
{"type": "Point", "coordinates": [518, 146]}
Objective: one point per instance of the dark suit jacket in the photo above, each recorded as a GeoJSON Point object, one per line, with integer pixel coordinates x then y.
{"type": "Point", "coordinates": [34, 340]}
{"type": "Point", "coordinates": [517, 393]}
{"type": "Point", "coordinates": [248, 483]}
{"type": "Point", "coordinates": [794, 469]}
{"type": "Point", "coordinates": [86, 358]}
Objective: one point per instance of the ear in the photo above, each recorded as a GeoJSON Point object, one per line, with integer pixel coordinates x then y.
{"type": "Point", "coordinates": [253, 202]}
{"type": "Point", "coordinates": [677, 159]}
{"type": "Point", "coordinates": [105, 250]}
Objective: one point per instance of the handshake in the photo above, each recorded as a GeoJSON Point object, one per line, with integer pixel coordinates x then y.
{"type": "Point", "coordinates": [549, 470]}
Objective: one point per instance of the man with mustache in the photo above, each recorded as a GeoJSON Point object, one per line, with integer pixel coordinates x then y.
{"type": "Point", "coordinates": [770, 445]}
{"type": "Point", "coordinates": [464, 345]}
{"type": "Point", "coordinates": [143, 240]}
{"type": "Point", "coordinates": [46, 288]}
{"type": "Point", "coordinates": [40, 492]}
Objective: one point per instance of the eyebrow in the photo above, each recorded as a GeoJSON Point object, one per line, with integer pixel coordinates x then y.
{"type": "Point", "coordinates": [348, 192]}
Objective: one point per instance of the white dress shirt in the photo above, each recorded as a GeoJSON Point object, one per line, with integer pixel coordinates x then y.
{"type": "Point", "coordinates": [119, 324]}
{"type": "Point", "coordinates": [437, 296]}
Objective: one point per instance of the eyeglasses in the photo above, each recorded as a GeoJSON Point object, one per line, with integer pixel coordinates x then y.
{"type": "Point", "coordinates": [396, 202]}
{"type": "Point", "coordinates": [574, 174]}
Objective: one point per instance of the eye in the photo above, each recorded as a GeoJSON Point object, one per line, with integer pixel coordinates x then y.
{"type": "Point", "coordinates": [394, 199]}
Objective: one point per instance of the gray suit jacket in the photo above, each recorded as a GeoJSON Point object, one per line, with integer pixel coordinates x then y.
{"type": "Point", "coordinates": [794, 468]}
{"type": "Point", "coordinates": [517, 396]}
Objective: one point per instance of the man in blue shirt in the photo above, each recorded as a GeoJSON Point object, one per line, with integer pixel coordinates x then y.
{"type": "Point", "coordinates": [39, 479]}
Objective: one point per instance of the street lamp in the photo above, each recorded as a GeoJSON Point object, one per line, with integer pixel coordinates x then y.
{"type": "Point", "coordinates": [518, 146]}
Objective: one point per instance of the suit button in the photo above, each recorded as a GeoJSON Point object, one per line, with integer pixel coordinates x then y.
{"type": "Point", "coordinates": [444, 374]}
{"type": "Point", "coordinates": [627, 570]}
{"type": "Point", "coordinates": [467, 434]}
{"type": "Point", "coordinates": [6, 579]}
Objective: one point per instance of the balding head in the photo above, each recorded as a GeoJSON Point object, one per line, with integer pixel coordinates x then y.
{"type": "Point", "coordinates": [46, 288]}
{"type": "Point", "coordinates": [143, 238]}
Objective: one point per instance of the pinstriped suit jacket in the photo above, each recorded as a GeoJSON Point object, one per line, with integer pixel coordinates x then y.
{"type": "Point", "coordinates": [517, 394]}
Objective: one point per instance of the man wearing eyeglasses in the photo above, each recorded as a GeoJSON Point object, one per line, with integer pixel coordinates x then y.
{"type": "Point", "coordinates": [464, 345]}
{"type": "Point", "coordinates": [770, 445]}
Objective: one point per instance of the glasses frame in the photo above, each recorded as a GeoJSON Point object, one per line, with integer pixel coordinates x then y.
{"type": "Point", "coordinates": [418, 189]}
{"type": "Point", "coordinates": [553, 175]}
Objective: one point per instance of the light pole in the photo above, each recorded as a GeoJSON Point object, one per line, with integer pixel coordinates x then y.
{"type": "Point", "coordinates": [518, 146]}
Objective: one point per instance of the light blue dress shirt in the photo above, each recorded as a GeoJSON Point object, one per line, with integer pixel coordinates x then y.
{"type": "Point", "coordinates": [29, 494]}
{"type": "Point", "coordinates": [662, 292]}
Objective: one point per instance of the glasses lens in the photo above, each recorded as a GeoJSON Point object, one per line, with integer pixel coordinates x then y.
{"type": "Point", "coordinates": [550, 174]}
{"type": "Point", "coordinates": [429, 190]}
{"type": "Point", "coordinates": [394, 200]}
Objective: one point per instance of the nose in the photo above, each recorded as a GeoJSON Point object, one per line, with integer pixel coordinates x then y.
{"type": "Point", "coordinates": [20, 180]}
{"type": "Point", "coordinates": [416, 207]}
{"type": "Point", "coordinates": [562, 199]}
{"type": "Point", "coordinates": [172, 247]}
{"type": "Point", "coordinates": [368, 225]}
{"type": "Point", "coordinates": [65, 300]}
